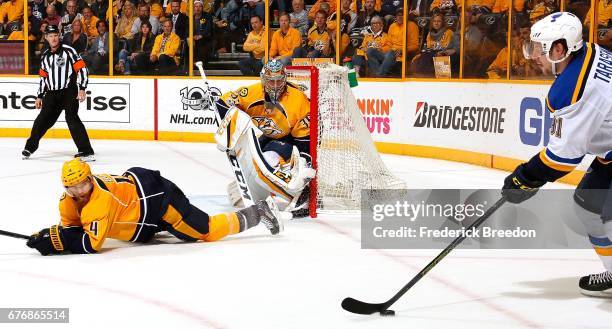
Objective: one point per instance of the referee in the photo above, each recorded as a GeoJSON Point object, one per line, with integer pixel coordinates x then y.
{"type": "Point", "coordinates": [63, 80]}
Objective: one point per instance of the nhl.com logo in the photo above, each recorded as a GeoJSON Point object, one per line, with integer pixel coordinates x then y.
{"type": "Point", "coordinates": [197, 98]}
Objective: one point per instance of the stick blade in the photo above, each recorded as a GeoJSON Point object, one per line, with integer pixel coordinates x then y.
{"type": "Point", "coordinates": [358, 307]}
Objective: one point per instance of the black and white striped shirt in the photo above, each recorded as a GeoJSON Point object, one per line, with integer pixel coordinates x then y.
{"type": "Point", "coordinates": [57, 70]}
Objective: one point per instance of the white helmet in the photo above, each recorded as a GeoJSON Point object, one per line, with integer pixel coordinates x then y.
{"type": "Point", "coordinates": [557, 26]}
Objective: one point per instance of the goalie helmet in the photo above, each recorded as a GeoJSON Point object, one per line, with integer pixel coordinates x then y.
{"type": "Point", "coordinates": [74, 172]}
{"type": "Point", "coordinates": [558, 26]}
{"type": "Point", "coordinates": [274, 79]}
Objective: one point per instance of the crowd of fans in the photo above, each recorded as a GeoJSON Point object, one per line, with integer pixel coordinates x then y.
{"type": "Point", "coordinates": [151, 37]}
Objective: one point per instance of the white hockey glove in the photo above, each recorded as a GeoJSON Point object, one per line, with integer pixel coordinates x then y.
{"type": "Point", "coordinates": [300, 172]}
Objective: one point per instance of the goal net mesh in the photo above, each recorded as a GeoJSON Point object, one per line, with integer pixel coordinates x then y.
{"type": "Point", "coordinates": [346, 158]}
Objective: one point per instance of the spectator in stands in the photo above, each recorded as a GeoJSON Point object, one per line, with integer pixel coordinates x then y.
{"type": "Point", "coordinates": [299, 17]}
{"type": "Point", "coordinates": [96, 56]}
{"type": "Point", "coordinates": [11, 15]}
{"type": "Point", "coordinates": [358, 5]}
{"type": "Point", "coordinates": [388, 9]}
{"type": "Point", "coordinates": [39, 9]}
{"type": "Point", "coordinates": [381, 64]}
{"type": "Point", "coordinates": [603, 34]}
{"type": "Point", "coordinates": [70, 16]}
{"type": "Point", "coordinates": [419, 8]}
{"type": "Point", "coordinates": [502, 6]}
{"type": "Point", "coordinates": [285, 40]}
{"type": "Point", "coordinates": [118, 8]}
{"type": "Point", "coordinates": [81, 4]}
{"type": "Point", "coordinates": [319, 40]}
{"type": "Point", "coordinates": [412, 39]}
{"type": "Point", "coordinates": [100, 8]}
{"type": "Point", "coordinates": [90, 23]}
{"type": "Point", "coordinates": [123, 29]}
{"type": "Point", "coordinates": [59, 6]}
{"type": "Point", "coordinates": [373, 47]}
{"type": "Point", "coordinates": [18, 35]}
{"type": "Point", "coordinates": [317, 6]}
{"type": "Point", "coordinates": [138, 50]}
{"type": "Point", "coordinates": [348, 19]}
{"type": "Point", "coordinates": [364, 17]}
{"type": "Point", "coordinates": [541, 8]}
{"type": "Point", "coordinates": [255, 8]}
{"type": "Point", "coordinates": [34, 21]}
{"type": "Point", "coordinates": [202, 32]}
{"type": "Point", "coordinates": [441, 41]}
{"type": "Point", "coordinates": [180, 22]}
{"type": "Point", "coordinates": [156, 8]}
{"type": "Point", "coordinates": [144, 15]}
{"type": "Point", "coordinates": [52, 17]}
{"type": "Point", "coordinates": [345, 8]}
{"type": "Point", "coordinates": [447, 6]}
{"type": "Point", "coordinates": [345, 47]}
{"type": "Point", "coordinates": [165, 51]}
{"type": "Point", "coordinates": [228, 25]}
{"type": "Point", "coordinates": [76, 38]}
{"type": "Point", "coordinates": [255, 44]}
{"type": "Point", "coordinates": [43, 26]}
{"type": "Point", "coordinates": [182, 7]}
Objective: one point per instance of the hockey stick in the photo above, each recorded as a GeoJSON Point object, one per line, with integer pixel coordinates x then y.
{"type": "Point", "coordinates": [248, 201]}
{"type": "Point", "coordinates": [356, 306]}
{"type": "Point", "coordinates": [14, 235]}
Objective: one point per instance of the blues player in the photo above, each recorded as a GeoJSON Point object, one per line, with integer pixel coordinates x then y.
{"type": "Point", "coordinates": [580, 99]}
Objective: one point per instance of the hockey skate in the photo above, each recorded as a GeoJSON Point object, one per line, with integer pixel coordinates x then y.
{"type": "Point", "coordinates": [597, 285]}
{"type": "Point", "coordinates": [270, 215]}
{"type": "Point", "coordinates": [85, 157]}
{"type": "Point", "coordinates": [25, 154]}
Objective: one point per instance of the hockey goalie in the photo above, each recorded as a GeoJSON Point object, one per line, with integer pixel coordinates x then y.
{"type": "Point", "coordinates": [264, 129]}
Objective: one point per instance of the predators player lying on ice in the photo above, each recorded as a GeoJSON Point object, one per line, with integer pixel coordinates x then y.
{"type": "Point", "coordinates": [134, 207]}
{"type": "Point", "coordinates": [265, 131]}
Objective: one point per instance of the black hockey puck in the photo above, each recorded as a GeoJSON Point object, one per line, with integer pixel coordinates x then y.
{"type": "Point", "coordinates": [387, 313]}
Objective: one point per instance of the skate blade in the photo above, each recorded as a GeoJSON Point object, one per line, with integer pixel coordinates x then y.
{"type": "Point", "coordinates": [277, 213]}
{"type": "Point", "coordinates": [600, 294]}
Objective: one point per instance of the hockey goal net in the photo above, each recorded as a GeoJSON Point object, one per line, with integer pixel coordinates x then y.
{"type": "Point", "coordinates": [342, 149]}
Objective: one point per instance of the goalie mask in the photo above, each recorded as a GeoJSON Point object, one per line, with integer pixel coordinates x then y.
{"type": "Point", "coordinates": [274, 79]}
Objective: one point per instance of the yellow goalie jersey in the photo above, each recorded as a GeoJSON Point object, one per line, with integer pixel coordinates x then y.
{"type": "Point", "coordinates": [289, 116]}
{"type": "Point", "coordinates": [113, 211]}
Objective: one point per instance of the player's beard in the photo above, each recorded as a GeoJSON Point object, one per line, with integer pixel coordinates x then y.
{"type": "Point", "coordinates": [82, 200]}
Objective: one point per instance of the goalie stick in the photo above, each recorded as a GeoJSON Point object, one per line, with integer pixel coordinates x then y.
{"type": "Point", "coordinates": [14, 235]}
{"type": "Point", "coordinates": [356, 306]}
{"type": "Point", "coordinates": [248, 201]}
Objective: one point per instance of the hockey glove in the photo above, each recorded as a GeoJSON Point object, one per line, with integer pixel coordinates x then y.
{"type": "Point", "coordinates": [47, 241]}
{"type": "Point", "coordinates": [518, 188]}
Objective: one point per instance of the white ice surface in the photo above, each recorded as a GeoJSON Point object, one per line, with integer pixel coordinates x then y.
{"type": "Point", "coordinates": [253, 280]}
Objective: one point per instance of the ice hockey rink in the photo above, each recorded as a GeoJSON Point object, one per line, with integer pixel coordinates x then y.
{"type": "Point", "coordinates": [254, 280]}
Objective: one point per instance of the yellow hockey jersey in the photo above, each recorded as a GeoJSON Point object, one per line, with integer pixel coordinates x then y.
{"type": "Point", "coordinates": [289, 116]}
{"type": "Point", "coordinates": [113, 211]}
